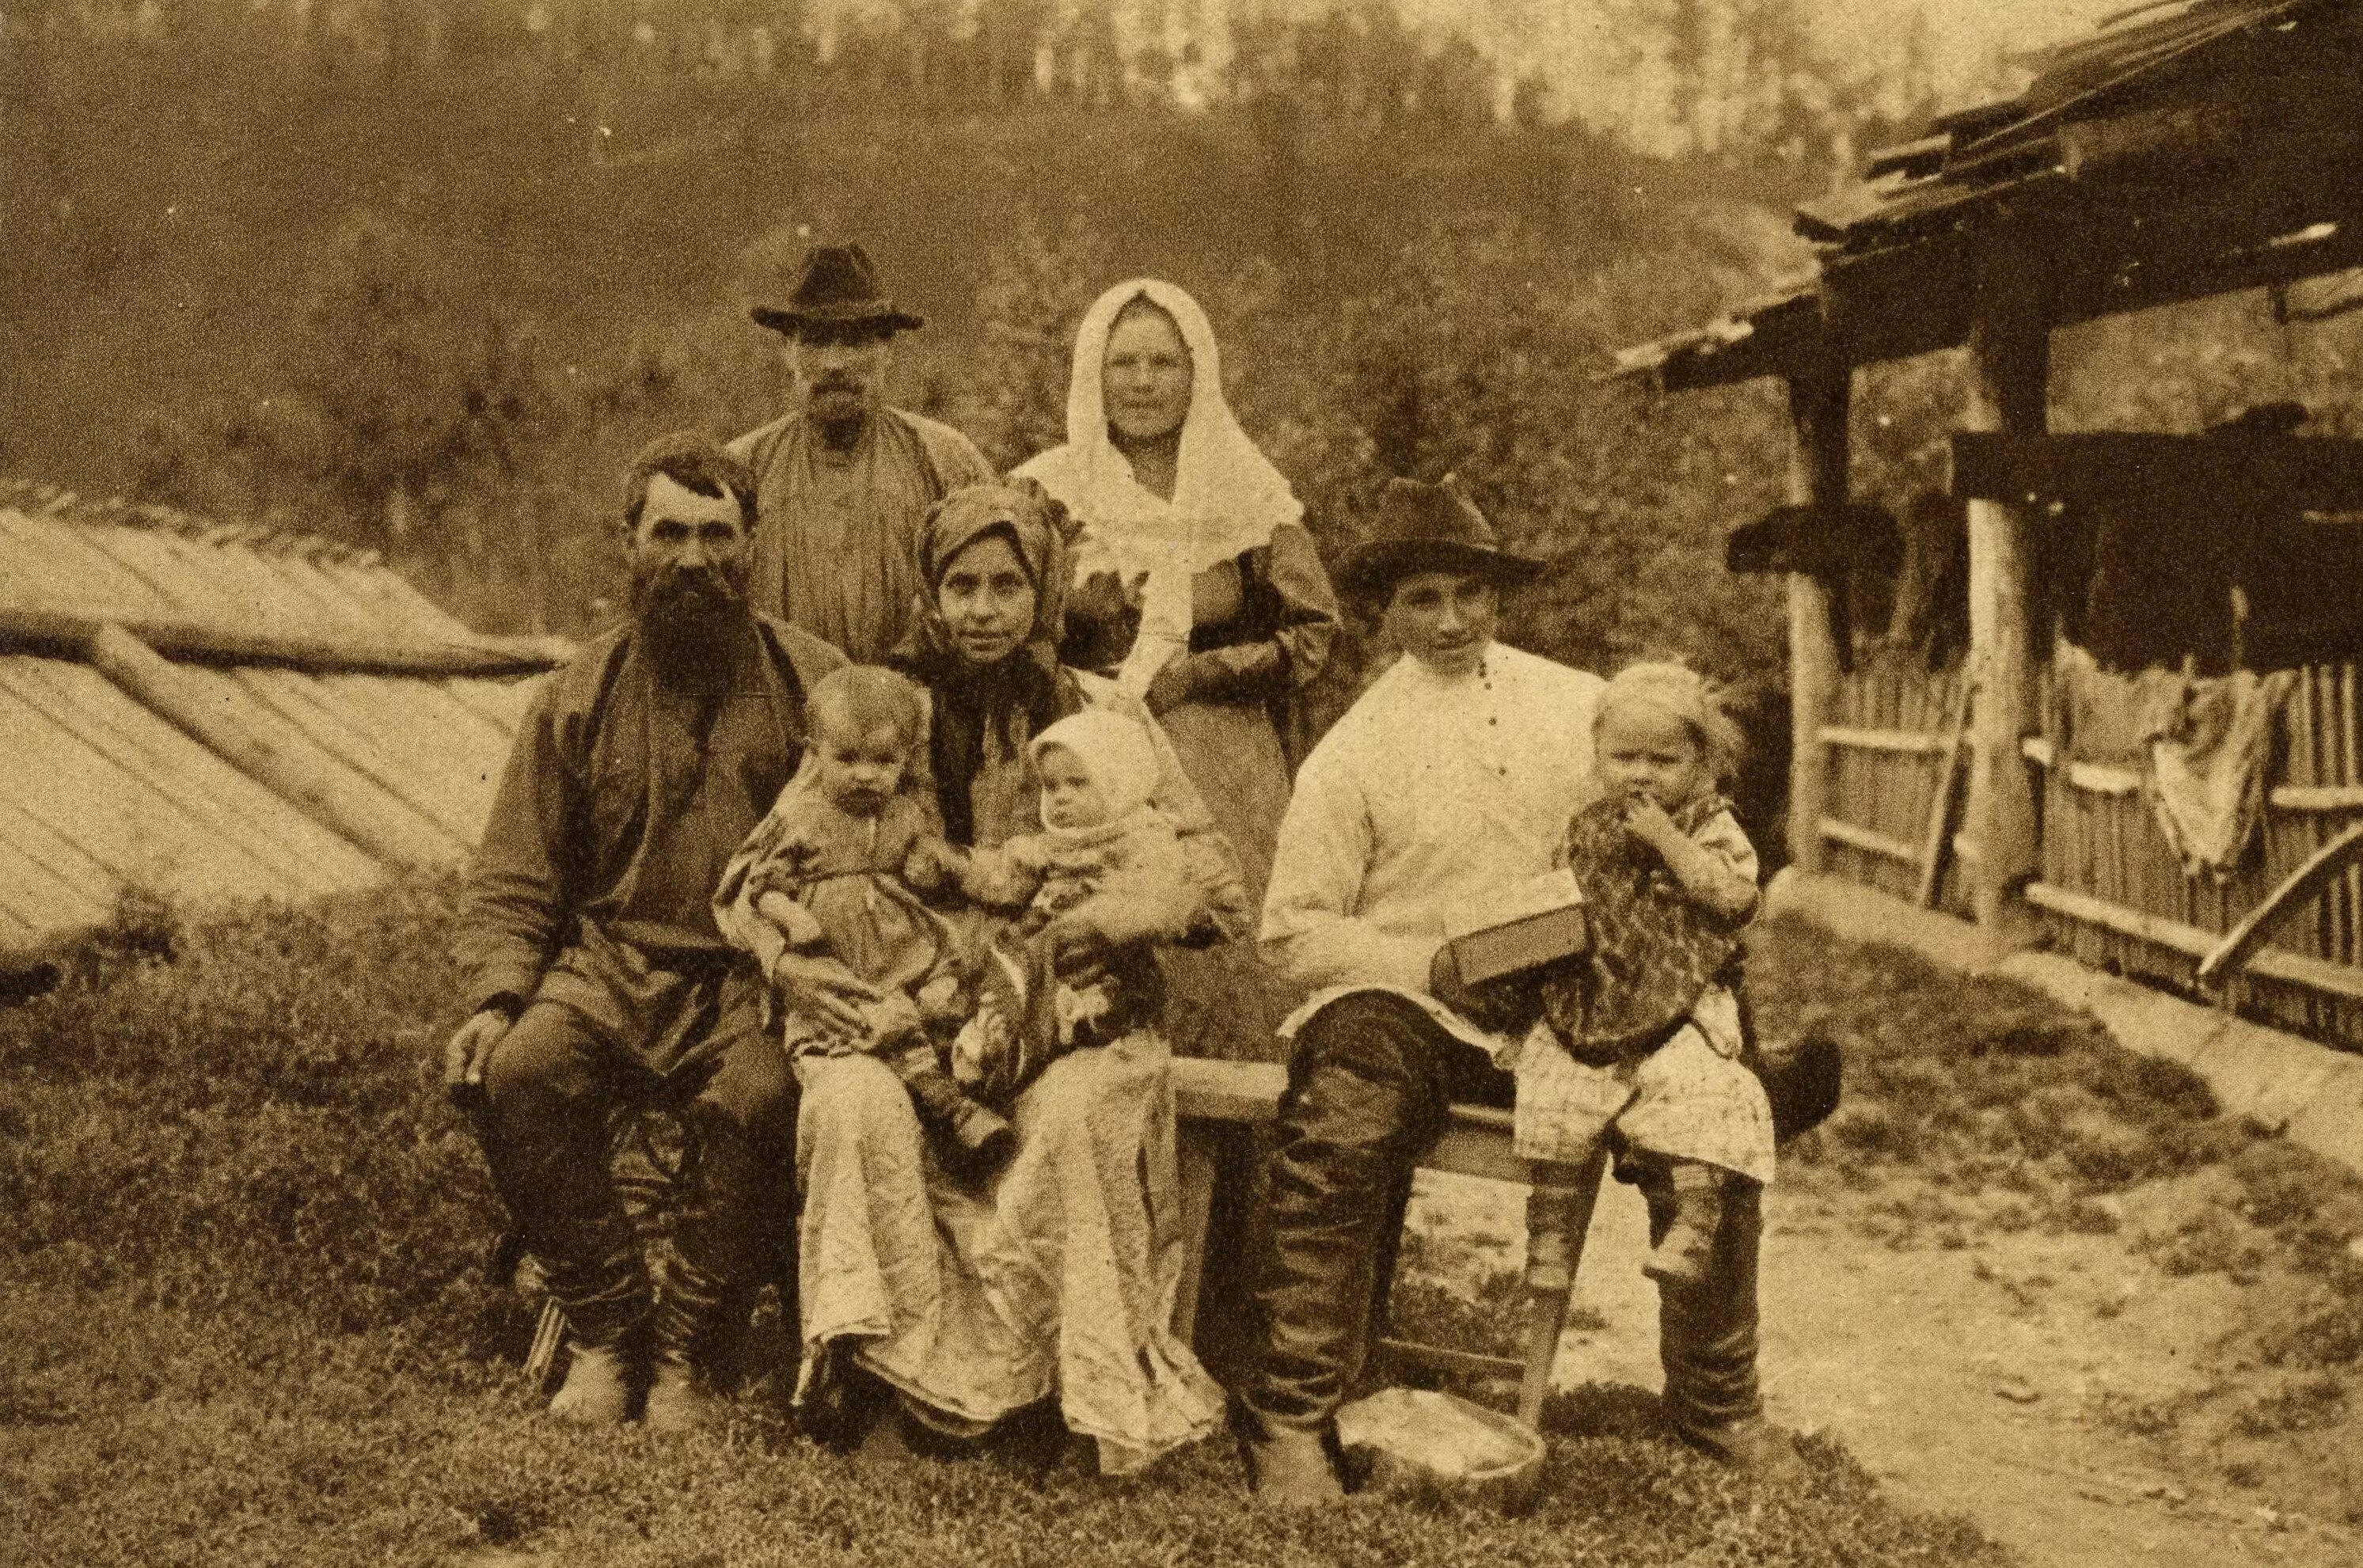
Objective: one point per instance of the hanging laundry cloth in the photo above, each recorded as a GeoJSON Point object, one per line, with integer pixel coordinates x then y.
{"type": "Point", "coordinates": [2208, 758]}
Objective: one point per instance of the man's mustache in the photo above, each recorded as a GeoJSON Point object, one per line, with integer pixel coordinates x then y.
{"type": "Point", "coordinates": [702, 582]}
{"type": "Point", "coordinates": [695, 593]}
{"type": "Point", "coordinates": [836, 384]}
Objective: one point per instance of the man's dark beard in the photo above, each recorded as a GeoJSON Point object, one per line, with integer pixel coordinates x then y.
{"type": "Point", "coordinates": [690, 623]}
{"type": "Point", "coordinates": [841, 425]}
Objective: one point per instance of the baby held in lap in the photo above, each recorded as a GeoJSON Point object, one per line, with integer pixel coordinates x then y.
{"type": "Point", "coordinates": [824, 877]}
{"type": "Point", "coordinates": [1106, 877]}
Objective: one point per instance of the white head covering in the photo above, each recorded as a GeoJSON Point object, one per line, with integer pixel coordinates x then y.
{"type": "Point", "coordinates": [1113, 750]}
{"type": "Point", "coordinates": [1227, 498]}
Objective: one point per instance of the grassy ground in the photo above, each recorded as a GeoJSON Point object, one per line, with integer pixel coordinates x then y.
{"type": "Point", "coordinates": [242, 1320]}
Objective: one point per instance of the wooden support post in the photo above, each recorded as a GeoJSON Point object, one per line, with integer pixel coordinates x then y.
{"type": "Point", "coordinates": [2010, 354]}
{"type": "Point", "coordinates": [1818, 403]}
{"type": "Point", "coordinates": [68, 632]}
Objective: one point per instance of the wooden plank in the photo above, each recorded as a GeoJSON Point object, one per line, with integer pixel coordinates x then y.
{"type": "Point", "coordinates": [229, 724]}
{"type": "Point", "coordinates": [2102, 778]}
{"type": "Point", "coordinates": [2139, 58]}
{"type": "Point", "coordinates": [418, 771]}
{"type": "Point", "coordinates": [1916, 742]}
{"type": "Point", "coordinates": [221, 811]}
{"type": "Point", "coordinates": [1940, 811]}
{"type": "Point", "coordinates": [1475, 1141]}
{"type": "Point", "coordinates": [2167, 934]}
{"type": "Point", "coordinates": [2315, 472]}
{"type": "Point", "coordinates": [1211, 1091]}
{"type": "Point", "coordinates": [1443, 1358]}
{"type": "Point", "coordinates": [79, 572]}
{"type": "Point", "coordinates": [1869, 842]}
{"type": "Point", "coordinates": [2344, 981]}
{"type": "Point", "coordinates": [2301, 885]}
{"type": "Point", "coordinates": [45, 887]}
{"type": "Point", "coordinates": [67, 634]}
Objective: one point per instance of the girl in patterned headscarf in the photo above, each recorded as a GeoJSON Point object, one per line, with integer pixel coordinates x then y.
{"type": "Point", "coordinates": [1053, 1277]}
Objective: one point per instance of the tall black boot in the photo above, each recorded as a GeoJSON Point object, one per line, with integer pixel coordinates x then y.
{"type": "Point", "coordinates": [689, 1307]}
{"type": "Point", "coordinates": [606, 1304]}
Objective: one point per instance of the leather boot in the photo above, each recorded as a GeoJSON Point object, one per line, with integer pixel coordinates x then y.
{"type": "Point", "coordinates": [605, 1300]}
{"type": "Point", "coordinates": [598, 1387]}
{"type": "Point", "coordinates": [1289, 1467]}
{"type": "Point", "coordinates": [688, 1308]}
{"type": "Point", "coordinates": [1685, 1252]}
{"type": "Point", "coordinates": [678, 1400]}
{"type": "Point", "coordinates": [974, 1139]}
{"type": "Point", "coordinates": [1759, 1451]}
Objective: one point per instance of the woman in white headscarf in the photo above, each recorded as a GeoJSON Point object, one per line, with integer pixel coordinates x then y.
{"type": "Point", "coordinates": [1196, 584]}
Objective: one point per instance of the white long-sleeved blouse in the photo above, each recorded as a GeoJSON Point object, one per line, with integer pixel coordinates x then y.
{"type": "Point", "coordinates": [1432, 790]}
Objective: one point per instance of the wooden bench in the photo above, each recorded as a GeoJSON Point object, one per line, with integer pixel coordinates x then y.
{"type": "Point", "coordinates": [1213, 1097]}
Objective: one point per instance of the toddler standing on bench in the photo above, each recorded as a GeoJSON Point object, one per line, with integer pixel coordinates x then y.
{"type": "Point", "coordinates": [1641, 1036]}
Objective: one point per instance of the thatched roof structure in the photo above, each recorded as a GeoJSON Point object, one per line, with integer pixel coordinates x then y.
{"type": "Point", "coordinates": [216, 713]}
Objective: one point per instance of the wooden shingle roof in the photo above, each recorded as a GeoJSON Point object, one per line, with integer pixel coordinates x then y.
{"type": "Point", "coordinates": [217, 713]}
{"type": "Point", "coordinates": [2184, 150]}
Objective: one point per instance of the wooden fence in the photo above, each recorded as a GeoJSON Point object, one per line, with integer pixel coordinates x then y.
{"type": "Point", "coordinates": [1895, 752]}
{"type": "Point", "coordinates": [2282, 939]}
{"type": "Point", "coordinates": [2113, 895]}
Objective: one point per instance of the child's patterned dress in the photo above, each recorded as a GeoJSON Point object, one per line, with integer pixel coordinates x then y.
{"type": "Point", "coordinates": [1642, 1034]}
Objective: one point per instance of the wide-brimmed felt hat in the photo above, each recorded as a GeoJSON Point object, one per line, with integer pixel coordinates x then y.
{"type": "Point", "coordinates": [838, 287]}
{"type": "Point", "coordinates": [1421, 528]}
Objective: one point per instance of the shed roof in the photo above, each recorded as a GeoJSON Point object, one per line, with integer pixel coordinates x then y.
{"type": "Point", "coordinates": [2185, 148]}
{"type": "Point", "coordinates": [351, 697]}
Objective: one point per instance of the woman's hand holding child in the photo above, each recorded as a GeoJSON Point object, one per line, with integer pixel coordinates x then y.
{"type": "Point", "coordinates": [1079, 949]}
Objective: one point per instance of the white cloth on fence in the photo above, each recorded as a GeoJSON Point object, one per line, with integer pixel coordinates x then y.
{"type": "Point", "coordinates": [2207, 765]}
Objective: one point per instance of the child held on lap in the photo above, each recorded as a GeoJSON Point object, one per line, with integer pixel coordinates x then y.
{"type": "Point", "coordinates": [1641, 1037]}
{"type": "Point", "coordinates": [823, 876]}
{"type": "Point", "coordinates": [1108, 866]}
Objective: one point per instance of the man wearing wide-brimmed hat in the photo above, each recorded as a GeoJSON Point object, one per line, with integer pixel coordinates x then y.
{"type": "Point", "coordinates": [843, 481]}
{"type": "Point", "coordinates": [1454, 775]}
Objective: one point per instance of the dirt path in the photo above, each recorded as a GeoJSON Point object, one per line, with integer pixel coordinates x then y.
{"type": "Point", "coordinates": [1990, 1380]}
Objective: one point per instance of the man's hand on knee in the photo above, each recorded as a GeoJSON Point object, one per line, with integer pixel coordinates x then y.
{"type": "Point", "coordinates": [470, 1047]}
